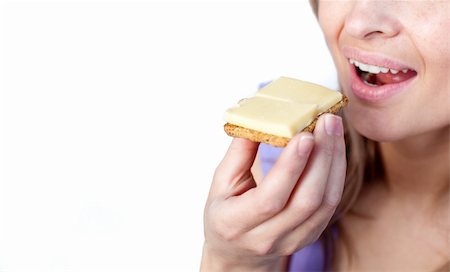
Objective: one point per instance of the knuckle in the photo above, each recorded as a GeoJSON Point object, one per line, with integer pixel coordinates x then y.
{"type": "Point", "coordinates": [218, 171]}
{"type": "Point", "coordinates": [304, 241]}
{"type": "Point", "coordinates": [228, 234]}
{"type": "Point", "coordinates": [312, 239]}
{"type": "Point", "coordinates": [218, 176]}
{"type": "Point", "coordinates": [313, 234]}
{"type": "Point", "coordinates": [269, 207]}
{"type": "Point", "coordinates": [290, 249]}
{"type": "Point", "coordinates": [264, 248]}
{"type": "Point", "coordinates": [328, 150]}
{"type": "Point", "coordinates": [331, 201]}
{"type": "Point", "coordinates": [318, 233]}
{"type": "Point", "coordinates": [340, 150]}
{"type": "Point", "coordinates": [308, 205]}
{"type": "Point", "coordinates": [327, 147]}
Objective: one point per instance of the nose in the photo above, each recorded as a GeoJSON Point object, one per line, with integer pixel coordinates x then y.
{"type": "Point", "coordinates": [372, 19]}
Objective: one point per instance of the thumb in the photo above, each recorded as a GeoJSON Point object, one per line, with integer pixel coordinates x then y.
{"type": "Point", "coordinates": [235, 166]}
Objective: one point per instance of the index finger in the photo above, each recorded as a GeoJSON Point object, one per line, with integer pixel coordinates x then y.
{"type": "Point", "coordinates": [266, 200]}
{"type": "Point", "coordinates": [234, 166]}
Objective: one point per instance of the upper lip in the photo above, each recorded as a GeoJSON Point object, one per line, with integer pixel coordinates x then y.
{"type": "Point", "coordinates": [376, 59]}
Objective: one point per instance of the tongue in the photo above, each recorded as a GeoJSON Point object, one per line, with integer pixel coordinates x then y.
{"type": "Point", "coordinates": [390, 78]}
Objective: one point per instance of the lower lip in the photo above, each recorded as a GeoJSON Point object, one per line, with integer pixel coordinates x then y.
{"type": "Point", "coordinates": [375, 93]}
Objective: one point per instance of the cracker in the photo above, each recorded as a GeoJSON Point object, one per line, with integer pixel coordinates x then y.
{"type": "Point", "coordinates": [278, 141]}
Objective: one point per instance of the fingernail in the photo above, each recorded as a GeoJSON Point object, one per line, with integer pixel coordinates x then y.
{"type": "Point", "coordinates": [305, 144]}
{"type": "Point", "coordinates": [333, 125]}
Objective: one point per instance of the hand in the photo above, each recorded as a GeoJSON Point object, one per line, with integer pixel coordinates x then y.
{"type": "Point", "coordinates": [249, 226]}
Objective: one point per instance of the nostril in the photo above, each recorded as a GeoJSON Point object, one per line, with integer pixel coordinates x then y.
{"type": "Point", "coordinates": [373, 34]}
{"type": "Point", "coordinates": [371, 19]}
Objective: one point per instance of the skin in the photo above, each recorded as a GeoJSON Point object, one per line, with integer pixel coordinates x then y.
{"type": "Point", "coordinates": [413, 32]}
{"type": "Point", "coordinates": [253, 225]}
{"type": "Point", "coordinates": [410, 207]}
{"type": "Point", "coordinates": [255, 228]}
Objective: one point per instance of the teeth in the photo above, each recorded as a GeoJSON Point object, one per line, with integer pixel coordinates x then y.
{"type": "Point", "coordinates": [373, 68]}
{"type": "Point", "coordinates": [364, 67]}
{"type": "Point", "coordinates": [384, 70]}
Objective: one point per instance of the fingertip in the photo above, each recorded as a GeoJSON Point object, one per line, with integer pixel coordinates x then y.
{"type": "Point", "coordinates": [242, 143]}
{"type": "Point", "coordinates": [333, 125]}
{"type": "Point", "coordinates": [241, 150]}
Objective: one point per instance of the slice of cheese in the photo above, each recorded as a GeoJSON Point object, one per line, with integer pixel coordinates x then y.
{"type": "Point", "coordinates": [300, 91]}
{"type": "Point", "coordinates": [277, 117]}
{"type": "Point", "coordinates": [283, 108]}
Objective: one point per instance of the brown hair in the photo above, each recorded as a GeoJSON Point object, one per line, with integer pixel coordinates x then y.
{"type": "Point", "coordinates": [363, 165]}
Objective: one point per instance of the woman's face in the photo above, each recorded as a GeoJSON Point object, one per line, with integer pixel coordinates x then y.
{"type": "Point", "coordinates": [393, 61]}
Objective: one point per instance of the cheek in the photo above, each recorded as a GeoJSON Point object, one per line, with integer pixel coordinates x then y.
{"type": "Point", "coordinates": [331, 19]}
{"type": "Point", "coordinates": [429, 32]}
{"type": "Point", "coordinates": [434, 46]}
{"type": "Point", "coordinates": [433, 94]}
{"type": "Point", "coordinates": [332, 16]}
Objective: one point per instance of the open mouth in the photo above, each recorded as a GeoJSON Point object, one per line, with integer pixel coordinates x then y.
{"type": "Point", "coordinates": [375, 76]}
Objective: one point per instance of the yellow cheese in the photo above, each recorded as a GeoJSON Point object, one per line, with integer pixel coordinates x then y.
{"type": "Point", "coordinates": [283, 107]}
{"type": "Point", "coordinates": [296, 90]}
{"type": "Point", "coordinates": [277, 117]}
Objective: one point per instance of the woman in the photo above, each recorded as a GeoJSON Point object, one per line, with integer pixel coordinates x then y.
{"type": "Point", "coordinates": [393, 63]}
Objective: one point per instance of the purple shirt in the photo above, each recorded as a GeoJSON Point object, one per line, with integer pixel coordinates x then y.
{"type": "Point", "coordinates": [310, 258]}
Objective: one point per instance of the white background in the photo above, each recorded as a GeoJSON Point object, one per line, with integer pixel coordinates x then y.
{"type": "Point", "coordinates": [111, 122]}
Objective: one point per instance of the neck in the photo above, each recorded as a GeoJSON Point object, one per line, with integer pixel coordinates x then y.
{"type": "Point", "coordinates": [418, 166]}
